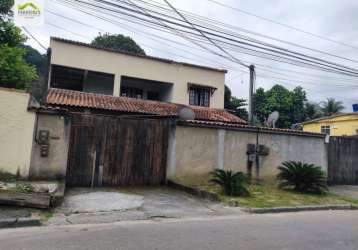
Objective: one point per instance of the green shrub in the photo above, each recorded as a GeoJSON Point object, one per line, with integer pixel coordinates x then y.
{"type": "Point", "coordinates": [24, 188]}
{"type": "Point", "coordinates": [232, 183]}
{"type": "Point", "coordinates": [7, 177]}
{"type": "Point", "coordinates": [302, 177]}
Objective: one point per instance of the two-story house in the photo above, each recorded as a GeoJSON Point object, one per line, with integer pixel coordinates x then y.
{"type": "Point", "coordinates": [83, 67]}
{"type": "Point", "coordinates": [109, 117]}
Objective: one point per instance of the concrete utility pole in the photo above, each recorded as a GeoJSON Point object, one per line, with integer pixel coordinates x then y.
{"type": "Point", "coordinates": [251, 94]}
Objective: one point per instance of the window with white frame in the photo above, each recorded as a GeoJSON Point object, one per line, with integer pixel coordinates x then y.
{"type": "Point", "coordinates": [326, 129]}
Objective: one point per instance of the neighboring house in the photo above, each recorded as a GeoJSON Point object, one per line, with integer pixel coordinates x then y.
{"type": "Point", "coordinates": [336, 125]}
{"type": "Point", "coordinates": [87, 68]}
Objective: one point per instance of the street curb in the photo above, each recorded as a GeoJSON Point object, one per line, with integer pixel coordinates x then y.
{"type": "Point", "coordinates": [197, 192]}
{"type": "Point", "coordinates": [19, 222]}
{"type": "Point", "coordinates": [300, 209]}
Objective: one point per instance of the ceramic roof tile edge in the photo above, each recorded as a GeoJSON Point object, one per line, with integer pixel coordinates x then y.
{"type": "Point", "coordinates": [169, 61]}
{"type": "Point", "coordinates": [327, 117]}
{"type": "Point", "coordinates": [57, 97]}
{"type": "Point", "coordinates": [224, 125]}
{"type": "Point", "coordinates": [111, 107]}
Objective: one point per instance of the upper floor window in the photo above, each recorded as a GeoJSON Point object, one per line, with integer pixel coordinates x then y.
{"type": "Point", "coordinates": [199, 95]}
{"type": "Point", "coordinates": [132, 92]}
{"type": "Point", "coordinates": [326, 130]}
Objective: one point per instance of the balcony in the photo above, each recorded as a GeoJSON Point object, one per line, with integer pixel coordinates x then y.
{"type": "Point", "coordinates": [146, 89]}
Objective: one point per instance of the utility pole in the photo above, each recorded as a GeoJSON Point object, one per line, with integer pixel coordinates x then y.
{"type": "Point", "coordinates": [251, 94]}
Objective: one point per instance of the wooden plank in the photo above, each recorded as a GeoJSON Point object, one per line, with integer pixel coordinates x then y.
{"type": "Point", "coordinates": [25, 200]}
{"type": "Point", "coordinates": [343, 160]}
{"type": "Point", "coordinates": [130, 151]}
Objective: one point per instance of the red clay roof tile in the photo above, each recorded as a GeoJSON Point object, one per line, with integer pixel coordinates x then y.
{"type": "Point", "coordinates": [70, 98]}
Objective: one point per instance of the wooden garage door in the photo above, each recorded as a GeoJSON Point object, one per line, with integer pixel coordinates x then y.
{"type": "Point", "coordinates": [114, 151]}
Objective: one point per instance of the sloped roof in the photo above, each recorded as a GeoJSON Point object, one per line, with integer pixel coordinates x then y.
{"type": "Point", "coordinates": [329, 117]}
{"type": "Point", "coordinates": [70, 98]}
{"type": "Point", "coordinates": [136, 55]}
{"type": "Point", "coordinates": [245, 127]}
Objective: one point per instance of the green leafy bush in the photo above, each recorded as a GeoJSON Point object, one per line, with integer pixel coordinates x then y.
{"type": "Point", "coordinates": [232, 183]}
{"type": "Point", "coordinates": [7, 177]}
{"type": "Point", "coordinates": [303, 177]}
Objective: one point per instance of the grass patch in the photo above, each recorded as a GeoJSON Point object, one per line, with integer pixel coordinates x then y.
{"type": "Point", "coordinates": [42, 215]}
{"type": "Point", "coordinates": [46, 215]}
{"type": "Point", "coordinates": [7, 177]}
{"type": "Point", "coordinates": [266, 196]}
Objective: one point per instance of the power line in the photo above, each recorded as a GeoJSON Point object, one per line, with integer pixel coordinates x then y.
{"type": "Point", "coordinates": [215, 23]}
{"type": "Point", "coordinates": [34, 38]}
{"type": "Point", "coordinates": [284, 25]}
{"type": "Point", "coordinates": [344, 70]}
{"type": "Point", "coordinates": [206, 59]}
{"type": "Point", "coordinates": [179, 32]}
{"type": "Point", "coordinates": [202, 33]}
{"type": "Point", "coordinates": [296, 55]}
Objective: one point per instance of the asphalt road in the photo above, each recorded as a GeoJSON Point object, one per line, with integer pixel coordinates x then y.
{"type": "Point", "coordinates": [305, 230]}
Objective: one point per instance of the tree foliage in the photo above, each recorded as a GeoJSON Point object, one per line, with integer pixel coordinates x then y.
{"type": "Point", "coordinates": [33, 57]}
{"type": "Point", "coordinates": [303, 177]}
{"type": "Point", "coordinates": [118, 42]}
{"type": "Point", "coordinates": [5, 8]}
{"type": "Point", "coordinates": [331, 107]}
{"type": "Point", "coordinates": [289, 104]}
{"type": "Point", "coordinates": [14, 72]}
{"type": "Point", "coordinates": [312, 111]}
{"type": "Point", "coordinates": [235, 105]}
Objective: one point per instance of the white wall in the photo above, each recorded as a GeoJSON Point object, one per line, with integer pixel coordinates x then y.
{"type": "Point", "coordinates": [179, 75]}
{"type": "Point", "coordinates": [195, 151]}
{"type": "Point", "coordinates": [16, 132]}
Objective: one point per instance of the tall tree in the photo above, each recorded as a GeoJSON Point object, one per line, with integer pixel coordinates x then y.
{"type": "Point", "coordinates": [280, 99]}
{"type": "Point", "coordinates": [235, 105]}
{"type": "Point", "coordinates": [14, 72]}
{"type": "Point", "coordinates": [331, 107]}
{"type": "Point", "coordinates": [5, 8]}
{"type": "Point", "coordinates": [34, 58]}
{"type": "Point", "coordinates": [119, 42]}
{"type": "Point", "coordinates": [260, 109]}
{"type": "Point", "coordinates": [289, 104]}
{"type": "Point", "coordinates": [312, 111]}
{"type": "Point", "coordinates": [298, 102]}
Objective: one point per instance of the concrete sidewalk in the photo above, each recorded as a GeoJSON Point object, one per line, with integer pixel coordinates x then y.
{"type": "Point", "coordinates": [350, 191]}
{"type": "Point", "coordinates": [110, 205]}
{"type": "Point", "coordinates": [17, 217]}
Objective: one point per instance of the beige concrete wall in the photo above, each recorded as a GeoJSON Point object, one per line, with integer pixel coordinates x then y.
{"type": "Point", "coordinates": [197, 151]}
{"type": "Point", "coordinates": [55, 164]}
{"type": "Point", "coordinates": [16, 132]}
{"type": "Point", "coordinates": [118, 64]}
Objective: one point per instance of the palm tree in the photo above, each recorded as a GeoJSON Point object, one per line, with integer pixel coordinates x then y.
{"type": "Point", "coordinates": [331, 107]}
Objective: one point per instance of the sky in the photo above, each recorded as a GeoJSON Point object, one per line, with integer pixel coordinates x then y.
{"type": "Point", "coordinates": [332, 19]}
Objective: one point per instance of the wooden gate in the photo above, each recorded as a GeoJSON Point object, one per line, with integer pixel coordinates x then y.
{"type": "Point", "coordinates": [115, 151]}
{"type": "Point", "coordinates": [343, 160]}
